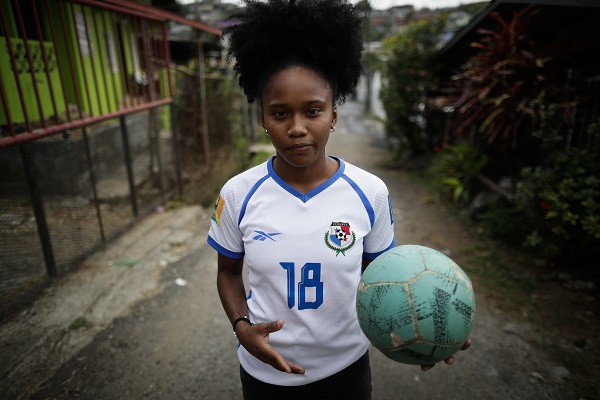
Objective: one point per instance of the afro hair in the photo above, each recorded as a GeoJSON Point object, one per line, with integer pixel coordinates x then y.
{"type": "Point", "coordinates": [269, 36]}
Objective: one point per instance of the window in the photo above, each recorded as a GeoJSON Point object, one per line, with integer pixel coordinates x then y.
{"type": "Point", "coordinates": [111, 52]}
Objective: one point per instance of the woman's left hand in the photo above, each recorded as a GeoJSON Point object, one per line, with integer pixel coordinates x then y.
{"type": "Point", "coordinates": [449, 360]}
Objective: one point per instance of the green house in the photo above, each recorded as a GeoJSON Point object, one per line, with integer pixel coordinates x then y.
{"type": "Point", "coordinates": [79, 60]}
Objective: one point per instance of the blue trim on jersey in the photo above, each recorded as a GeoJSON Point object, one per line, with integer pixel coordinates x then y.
{"type": "Point", "coordinates": [372, 256]}
{"type": "Point", "coordinates": [223, 250]}
{"type": "Point", "coordinates": [249, 195]}
{"type": "Point", "coordinates": [306, 197]}
{"type": "Point", "coordinates": [363, 198]}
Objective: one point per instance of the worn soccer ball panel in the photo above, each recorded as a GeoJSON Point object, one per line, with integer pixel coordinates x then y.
{"type": "Point", "coordinates": [393, 323]}
{"type": "Point", "coordinates": [416, 305]}
{"type": "Point", "coordinates": [387, 266]}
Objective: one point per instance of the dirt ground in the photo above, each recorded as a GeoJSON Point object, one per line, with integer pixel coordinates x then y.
{"type": "Point", "coordinates": [177, 343]}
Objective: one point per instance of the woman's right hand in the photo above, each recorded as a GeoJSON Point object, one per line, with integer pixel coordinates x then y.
{"type": "Point", "coordinates": [255, 339]}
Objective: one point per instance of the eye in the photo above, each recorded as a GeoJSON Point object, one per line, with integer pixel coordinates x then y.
{"type": "Point", "coordinates": [314, 111]}
{"type": "Point", "coordinates": [279, 114]}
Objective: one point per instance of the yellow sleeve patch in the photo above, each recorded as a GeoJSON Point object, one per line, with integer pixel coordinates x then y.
{"type": "Point", "coordinates": [217, 210]}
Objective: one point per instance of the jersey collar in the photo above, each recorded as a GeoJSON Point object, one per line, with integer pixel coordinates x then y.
{"type": "Point", "coordinates": [306, 197]}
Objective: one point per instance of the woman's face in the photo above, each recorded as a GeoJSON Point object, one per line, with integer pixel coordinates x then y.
{"type": "Point", "coordinates": [298, 113]}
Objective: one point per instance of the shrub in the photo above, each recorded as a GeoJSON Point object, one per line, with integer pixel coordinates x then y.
{"type": "Point", "coordinates": [507, 223]}
{"type": "Point", "coordinates": [455, 169]}
{"type": "Point", "coordinates": [562, 199]}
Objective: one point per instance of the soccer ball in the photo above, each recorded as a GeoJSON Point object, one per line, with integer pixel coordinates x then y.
{"type": "Point", "coordinates": [415, 305]}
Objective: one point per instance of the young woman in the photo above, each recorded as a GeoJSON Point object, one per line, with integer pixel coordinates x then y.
{"type": "Point", "coordinates": [305, 223]}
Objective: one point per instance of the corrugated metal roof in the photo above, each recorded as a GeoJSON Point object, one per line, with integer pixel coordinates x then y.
{"type": "Point", "coordinates": [166, 15]}
{"type": "Point", "coordinates": [555, 16]}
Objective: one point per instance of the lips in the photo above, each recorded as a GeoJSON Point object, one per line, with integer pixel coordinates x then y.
{"type": "Point", "coordinates": [299, 147]}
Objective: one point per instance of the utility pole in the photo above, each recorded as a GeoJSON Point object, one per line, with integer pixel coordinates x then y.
{"type": "Point", "coordinates": [203, 105]}
{"type": "Point", "coordinates": [365, 7]}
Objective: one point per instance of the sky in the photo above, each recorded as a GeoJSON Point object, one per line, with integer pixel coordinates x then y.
{"type": "Point", "coordinates": [385, 4]}
{"type": "Point", "coordinates": [432, 4]}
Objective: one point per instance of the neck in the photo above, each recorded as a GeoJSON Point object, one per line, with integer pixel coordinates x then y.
{"type": "Point", "coordinates": [304, 179]}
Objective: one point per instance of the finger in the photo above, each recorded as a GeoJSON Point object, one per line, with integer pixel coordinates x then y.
{"type": "Point", "coordinates": [449, 360]}
{"type": "Point", "coordinates": [466, 345]}
{"type": "Point", "coordinates": [427, 367]}
{"type": "Point", "coordinates": [273, 326]}
{"type": "Point", "coordinates": [282, 365]}
{"type": "Point", "coordinates": [295, 368]}
{"type": "Point", "coordinates": [286, 366]}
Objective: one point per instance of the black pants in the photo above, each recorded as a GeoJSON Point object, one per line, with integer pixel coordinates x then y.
{"type": "Point", "coordinates": [352, 383]}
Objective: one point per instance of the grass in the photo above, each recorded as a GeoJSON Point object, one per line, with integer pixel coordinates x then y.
{"type": "Point", "coordinates": [495, 271]}
{"type": "Point", "coordinates": [259, 158]}
{"type": "Point", "coordinates": [80, 322]}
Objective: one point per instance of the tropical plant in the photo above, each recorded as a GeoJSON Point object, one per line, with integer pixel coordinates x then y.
{"type": "Point", "coordinates": [508, 91]}
{"type": "Point", "coordinates": [518, 106]}
{"type": "Point", "coordinates": [501, 80]}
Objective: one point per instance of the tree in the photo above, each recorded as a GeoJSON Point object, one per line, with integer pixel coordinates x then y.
{"type": "Point", "coordinates": [406, 77]}
{"type": "Point", "coordinates": [364, 8]}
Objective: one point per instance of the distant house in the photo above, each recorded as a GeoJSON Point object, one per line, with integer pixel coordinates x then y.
{"type": "Point", "coordinates": [76, 72]}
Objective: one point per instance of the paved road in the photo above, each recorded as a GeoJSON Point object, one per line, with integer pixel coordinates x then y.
{"type": "Point", "coordinates": [155, 336]}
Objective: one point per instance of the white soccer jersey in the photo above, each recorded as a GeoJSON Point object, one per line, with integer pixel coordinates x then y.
{"type": "Point", "coordinates": [304, 255]}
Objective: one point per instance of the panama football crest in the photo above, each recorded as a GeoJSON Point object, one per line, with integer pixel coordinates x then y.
{"type": "Point", "coordinates": [340, 238]}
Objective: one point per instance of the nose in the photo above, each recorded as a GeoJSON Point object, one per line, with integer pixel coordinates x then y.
{"type": "Point", "coordinates": [297, 126]}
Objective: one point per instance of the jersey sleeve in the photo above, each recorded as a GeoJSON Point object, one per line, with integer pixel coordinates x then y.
{"type": "Point", "coordinates": [224, 234]}
{"type": "Point", "coordinates": [381, 237]}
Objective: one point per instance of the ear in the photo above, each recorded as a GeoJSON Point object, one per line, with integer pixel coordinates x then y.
{"type": "Point", "coordinates": [261, 116]}
{"type": "Point", "coordinates": [334, 115]}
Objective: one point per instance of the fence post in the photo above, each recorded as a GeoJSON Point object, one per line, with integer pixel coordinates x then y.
{"type": "Point", "coordinates": [90, 163]}
{"type": "Point", "coordinates": [176, 149]}
{"type": "Point", "coordinates": [155, 153]}
{"type": "Point", "coordinates": [38, 212]}
{"type": "Point", "coordinates": [128, 166]}
{"type": "Point", "coordinates": [203, 103]}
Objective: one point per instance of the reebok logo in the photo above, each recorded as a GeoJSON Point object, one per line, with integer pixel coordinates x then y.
{"type": "Point", "coordinates": [262, 236]}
